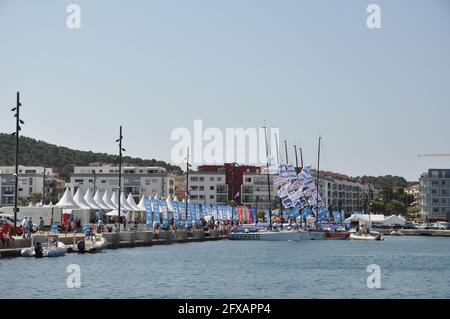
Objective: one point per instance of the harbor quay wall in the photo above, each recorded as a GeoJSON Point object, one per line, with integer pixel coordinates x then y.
{"type": "Point", "coordinates": [122, 239]}
{"type": "Point", "coordinates": [417, 232]}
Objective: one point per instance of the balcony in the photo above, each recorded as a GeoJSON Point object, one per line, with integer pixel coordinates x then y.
{"type": "Point", "coordinates": [222, 189]}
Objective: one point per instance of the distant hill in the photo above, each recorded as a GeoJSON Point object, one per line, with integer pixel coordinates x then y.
{"type": "Point", "coordinates": [62, 159]}
{"type": "Point", "coordinates": [387, 181]}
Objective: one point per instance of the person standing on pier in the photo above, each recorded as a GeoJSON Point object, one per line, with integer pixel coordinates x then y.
{"type": "Point", "coordinates": [30, 227]}
{"type": "Point", "coordinates": [24, 227]}
{"type": "Point", "coordinates": [41, 225]}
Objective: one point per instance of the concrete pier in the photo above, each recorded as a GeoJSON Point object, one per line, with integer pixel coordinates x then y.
{"type": "Point", "coordinates": [122, 239]}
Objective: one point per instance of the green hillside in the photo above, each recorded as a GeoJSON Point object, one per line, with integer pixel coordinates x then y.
{"type": "Point", "coordinates": [62, 159]}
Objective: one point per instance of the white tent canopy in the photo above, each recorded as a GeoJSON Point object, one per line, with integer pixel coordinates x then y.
{"type": "Point", "coordinates": [67, 200]}
{"type": "Point", "coordinates": [365, 218]}
{"type": "Point", "coordinates": [394, 220]}
{"type": "Point", "coordinates": [115, 212]}
{"type": "Point", "coordinates": [79, 199]}
{"type": "Point", "coordinates": [132, 203]}
{"type": "Point", "coordinates": [124, 204]}
{"type": "Point", "coordinates": [99, 201]}
{"type": "Point", "coordinates": [141, 204]}
{"type": "Point", "coordinates": [90, 200]}
{"type": "Point", "coordinates": [107, 200]}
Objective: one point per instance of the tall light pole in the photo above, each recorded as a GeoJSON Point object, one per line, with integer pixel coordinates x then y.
{"type": "Point", "coordinates": [120, 171]}
{"type": "Point", "coordinates": [187, 186]}
{"type": "Point", "coordinates": [16, 183]}
{"type": "Point", "coordinates": [95, 181]}
{"type": "Point", "coordinates": [43, 187]}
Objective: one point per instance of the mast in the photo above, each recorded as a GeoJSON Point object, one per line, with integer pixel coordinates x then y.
{"type": "Point", "coordinates": [296, 159]}
{"type": "Point", "coordinates": [301, 157]}
{"type": "Point", "coordinates": [187, 187]}
{"type": "Point", "coordinates": [318, 174]}
{"type": "Point", "coordinates": [268, 176]}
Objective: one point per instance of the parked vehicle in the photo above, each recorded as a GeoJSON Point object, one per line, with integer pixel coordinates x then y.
{"type": "Point", "coordinates": [8, 226]}
{"type": "Point", "coordinates": [10, 218]}
{"type": "Point", "coordinates": [441, 225]}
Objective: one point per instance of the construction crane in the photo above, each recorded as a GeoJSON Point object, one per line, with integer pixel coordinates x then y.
{"type": "Point", "coordinates": [434, 155]}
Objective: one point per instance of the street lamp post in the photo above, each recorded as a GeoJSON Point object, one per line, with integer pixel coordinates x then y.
{"type": "Point", "coordinates": [120, 172]}
{"type": "Point", "coordinates": [16, 174]}
{"type": "Point", "coordinates": [187, 186]}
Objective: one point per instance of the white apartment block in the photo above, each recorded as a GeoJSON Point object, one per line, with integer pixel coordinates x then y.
{"type": "Point", "coordinates": [31, 181]}
{"type": "Point", "coordinates": [254, 190]}
{"type": "Point", "coordinates": [137, 180]}
{"type": "Point", "coordinates": [208, 187]}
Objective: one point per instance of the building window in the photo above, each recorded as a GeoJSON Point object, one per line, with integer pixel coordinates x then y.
{"type": "Point", "coordinates": [194, 179]}
{"type": "Point", "coordinates": [201, 179]}
{"type": "Point", "coordinates": [80, 181]}
{"type": "Point", "coordinates": [248, 180]}
{"type": "Point", "coordinates": [211, 196]}
{"type": "Point", "coordinates": [211, 188]}
{"type": "Point", "coordinates": [219, 179]}
{"type": "Point", "coordinates": [211, 179]}
{"type": "Point", "coordinates": [103, 181]}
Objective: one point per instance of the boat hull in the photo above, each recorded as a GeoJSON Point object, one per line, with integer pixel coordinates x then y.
{"type": "Point", "coordinates": [279, 236]}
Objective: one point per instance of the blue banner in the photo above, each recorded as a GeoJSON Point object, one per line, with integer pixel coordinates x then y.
{"type": "Point", "coordinates": [85, 229]}
{"type": "Point", "coordinates": [148, 213]}
{"type": "Point", "coordinates": [176, 214]}
{"type": "Point", "coordinates": [155, 209]}
{"type": "Point", "coordinates": [190, 214]}
{"type": "Point", "coordinates": [253, 212]}
{"type": "Point", "coordinates": [183, 214]}
{"type": "Point", "coordinates": [54, 228]}
{"type": "Point", "coordinates": [164, 212]}
{"type": "Point", "coordinates": [197, 215]}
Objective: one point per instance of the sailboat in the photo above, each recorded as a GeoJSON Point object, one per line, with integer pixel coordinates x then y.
{"type": "Point", "coordinates": [291, 194]}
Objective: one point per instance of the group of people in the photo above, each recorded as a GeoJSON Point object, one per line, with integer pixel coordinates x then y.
{"type": "Point", "coordinates": [27, 227]}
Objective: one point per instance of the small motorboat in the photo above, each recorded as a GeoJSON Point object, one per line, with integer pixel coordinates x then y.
{"type": "Point", "coordinates": [44, 246]}
{"type": "Point", "coordinates": [396, 233]}
{"type": "Point", "coordinates": [90, 244]}
{"type": "Point", "coordinates": [369, 236]}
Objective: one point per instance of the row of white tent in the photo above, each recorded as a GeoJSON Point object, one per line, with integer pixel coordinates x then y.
{"type": "Point", "coordinates": [107, 202]}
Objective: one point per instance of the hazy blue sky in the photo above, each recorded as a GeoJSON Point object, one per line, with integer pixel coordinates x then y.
{"type": "Point", "coordinates": [378, 97]}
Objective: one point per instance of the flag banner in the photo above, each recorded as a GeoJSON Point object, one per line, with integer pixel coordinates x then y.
{"type": "Point", "coordinates": [306, 212]}
{"type": "Point", "coordinates": [283, 172]}
{"type": "Point", "coordinates": [254, 214]}
{"type": "Point", "coordinates": [322, 214]}
{"type": "Point", "coordinates": [287, 202]}
{"type": "Point", "coordinates": [283, 191]}
{"type": "Point", "coordinates": [176, 214]}
{"type": "Point", "coordinates": [197, 214]}
{"type": "Point", "coordinates": [278, 181]}
{"type": "Point", "coordinates": [239, 210]}
{"type": "Point", "coordinates": [273, 165]}
{"type": "Point", "coordinates": [155, 209]}
{"type": "Point", "coordinates": [183, 213]}
{"type": "Point", "coordinates": [291, 173]}
{"type": "Point", "coordinates": [148, 213]}
{"type": "Point", "coordinates": [247, 214]}
{"type": "Point", "coordinates": [219, 212]}
{"type": "Point", "coordinates": [208, 209]}
{"type": "Point", "coordinates": [298, 205]}
{"type": "Point", "coordinates": [190, 214]}
{"type": "Point", "coordinates": [164, 212]}
{"type": "Point", "coordinates": [215, 212]}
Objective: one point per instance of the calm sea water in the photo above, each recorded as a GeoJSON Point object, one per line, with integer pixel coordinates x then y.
{"type": "Point", "coordinates": [411, 267]}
